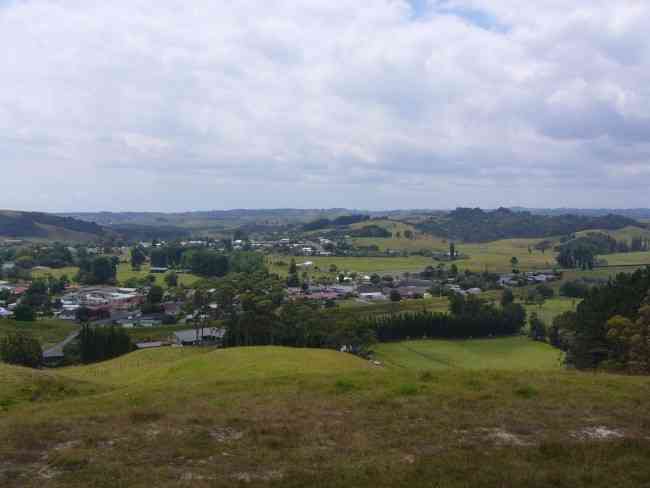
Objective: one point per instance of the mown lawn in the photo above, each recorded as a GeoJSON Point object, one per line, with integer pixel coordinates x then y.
{"type": "Point", "coordinates": [513, 353]}
{"type": "Point", "coordinates": [296, 418]}
{"type": "Point", "coordinates": [48, 332]}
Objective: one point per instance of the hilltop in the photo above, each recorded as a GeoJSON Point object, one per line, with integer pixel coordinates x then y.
{"type": "Point", "coordinates": [271, 416]}
{"type": "Point", "coordinates": [476, 225]}
{"type": "Point", "coordinates": [22, 225]}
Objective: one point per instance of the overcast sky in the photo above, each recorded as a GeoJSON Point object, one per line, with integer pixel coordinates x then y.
{"type": "Point", "coordinates": [203, 104]}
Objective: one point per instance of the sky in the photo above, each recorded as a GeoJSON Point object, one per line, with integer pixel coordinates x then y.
{"type": "Point", "coordinates": [375, 104]}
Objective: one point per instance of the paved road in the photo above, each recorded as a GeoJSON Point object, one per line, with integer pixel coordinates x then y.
{"type": "Point", "coordinates": [57, 351]}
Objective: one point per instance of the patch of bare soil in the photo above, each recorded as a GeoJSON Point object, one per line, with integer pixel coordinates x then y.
{"type": "Point", "coordinates": [599, 433]}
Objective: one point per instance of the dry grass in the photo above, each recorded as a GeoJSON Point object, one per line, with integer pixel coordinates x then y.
{"type": "Point", "coordinates": [272, 417]}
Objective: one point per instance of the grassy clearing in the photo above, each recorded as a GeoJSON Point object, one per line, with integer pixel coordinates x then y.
{"type": "Point", "coordinates": [47, 332]}
{"type": "Point", "coordinates": [514, 353]}
{"type": "Point", "coordinates": [278, 417]}
{"type": "Point", "coordinates": [552, 308]}
{"type": "Point", "coordinates": [70, 272]}
{"type": "Point", "coordinates": [125, 272]}
{"type": "Point", "coordinates": [627, 258]}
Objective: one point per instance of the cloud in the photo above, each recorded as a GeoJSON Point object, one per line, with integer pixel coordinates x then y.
{"type": "Point", "coordinates": [377, 104]}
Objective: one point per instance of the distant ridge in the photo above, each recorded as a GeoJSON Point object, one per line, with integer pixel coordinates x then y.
{"type": "Point", "coordinates": [24, 225]}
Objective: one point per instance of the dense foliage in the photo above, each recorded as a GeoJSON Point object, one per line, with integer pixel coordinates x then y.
{"type": "Point", "coordinates": [102, 343]}
{"type": "Point", "coordinates": [476, 225]}
{"type": "Point", "coordinates": [21, 350]}
{"type": "Point", "coordinates": [468, 318]}
{"type": "Point", "coordinates": [336, 222]}
{"type": "Point", "coordinates": [371, 231]}
{"type": "Point", "coordinates": [585, 333]}
{"type": "Point", "coordinates": [32, 224]}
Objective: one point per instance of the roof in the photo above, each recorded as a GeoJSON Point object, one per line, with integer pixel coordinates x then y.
{"type": "Point", "coordinates": [149, 345]}
{"type": "Point", "coordinates": [190, 335]}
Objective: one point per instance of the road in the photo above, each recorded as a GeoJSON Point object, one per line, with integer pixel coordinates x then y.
{"type": "Point", "coordinates": [57, 351]}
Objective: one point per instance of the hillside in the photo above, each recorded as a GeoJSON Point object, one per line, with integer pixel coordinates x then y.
{"type": "Point", "coordinates": [40, 225]}
{"type": "Point", "coordinates": [476, 225]}
{"type": "Point", "coordinates": [294, 417]}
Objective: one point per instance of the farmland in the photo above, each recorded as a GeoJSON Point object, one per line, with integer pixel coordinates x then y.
{"type": "Point", "coordinates": [514, 353]}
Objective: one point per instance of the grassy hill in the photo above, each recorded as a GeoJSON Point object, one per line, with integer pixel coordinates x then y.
{"type": "Point", "coordinates": [295, 418]}
{"type": "Point", "coordinates": [47, 226]}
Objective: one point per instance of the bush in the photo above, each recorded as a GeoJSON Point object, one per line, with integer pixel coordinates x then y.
{"type": "Point", "coordinates": [24, 313]}
{"type": "Point", "coordinates": [22, 350]}
{"type": "Point", "coordinates": [574, 289]}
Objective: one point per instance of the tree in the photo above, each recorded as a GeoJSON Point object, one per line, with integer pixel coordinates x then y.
{"type": "Point", "coordinates": [102, 343]}
{"type": "Point", "coordinates": [507, 297]}
{"type": "Point", "coordinates": [514, 262]}
{"type": "Point", "coordinates": [395, 296]}
{"type": "Point", "coordinates": [138, 257]}
{"type": "Point", "coordinates": [544, 246]}
{"type": "Point", "coordinates": [171, 279]}
{"type": "Point", "coordinates": [545, 291]}
{"type": "Point", "coordinates": [537, 328]}
{"type": "Point", "coordinates": [375, 279]}
{"type": "Point", "coordinates": [409, 234]}
{"type": "Point", "coordinates": [21, 349]}
{"type": "Point", "coordinates": [333, 268]}
{"type": "Point", "coordinates": [24, 313]}
{"type": "Point", "coordinates": [452, 251]}
{"type": "Point", "coordinates": [156, 294]}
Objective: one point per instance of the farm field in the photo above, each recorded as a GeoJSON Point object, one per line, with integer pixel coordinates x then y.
{"type": "Point", "coordinates": [627, 258]}
{"type": "Point", "coordinates": [48, 332]}
{"type": "Point", "coordinates": [293, 417]}
{"type": "Point", "coordinates": [494, 256]}
{"type": "Point", "coordinates": [353, 264]}
{"type": "Point", "coordinates": [512, 353]}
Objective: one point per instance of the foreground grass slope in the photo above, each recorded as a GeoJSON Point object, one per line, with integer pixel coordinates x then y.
{"type": "Point", "coordinates": [295, 418]}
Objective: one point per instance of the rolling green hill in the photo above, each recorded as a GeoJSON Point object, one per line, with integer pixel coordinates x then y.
{"type": "Point", "coordinates": [294, 418]}
{"type": "Point", "coordinates": [40, 225]}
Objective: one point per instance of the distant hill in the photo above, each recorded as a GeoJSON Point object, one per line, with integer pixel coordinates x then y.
{"type": "Point", "coordinates": [632, 213]}
{"type": "Point", "coordinates": [476, 225]}
{"type": "Point", "coordinates": [40, 225]}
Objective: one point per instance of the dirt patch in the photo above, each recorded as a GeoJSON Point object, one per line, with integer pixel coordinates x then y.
{"type": "Point", "coordinates": [599, 433]}
{"type": "Point", "coordinates": [262, 476]}
{"type": "Point", "coordinates": [494, 436]}
{"type": "Point", "coordinates": [226, 434]}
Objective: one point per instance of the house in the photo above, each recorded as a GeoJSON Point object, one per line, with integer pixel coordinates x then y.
{"type": "Point", "coordinates": [193, 337]}
{"type": "Point", "coordinates": [158, 269]}
{"type": "Point", "coordinates": [4, 313]}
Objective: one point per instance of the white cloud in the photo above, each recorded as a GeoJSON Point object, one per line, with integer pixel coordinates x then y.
{"type": "Point", "coordinates": [177, 105]}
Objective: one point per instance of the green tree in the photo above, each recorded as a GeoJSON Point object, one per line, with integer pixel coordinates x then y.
{"type": "Point", "coordinates": [21, 349]}
{"type": "Point", "coordinates": [155, 295]}
{"type": "Point", "coordinates": [171, 279]}
{"type": "Point", "coordinates": [24, 313]}
{"type": "Point", "coordinates": [395, 296]}
{"type": "Point", "coordinates": [514, 262]}
{"type": "Point", "coordinates": [507, 297]}
{"type": "Point", "coordinates": [537, 328]}
{"type": "Point", "coordinates": [138, 257]}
